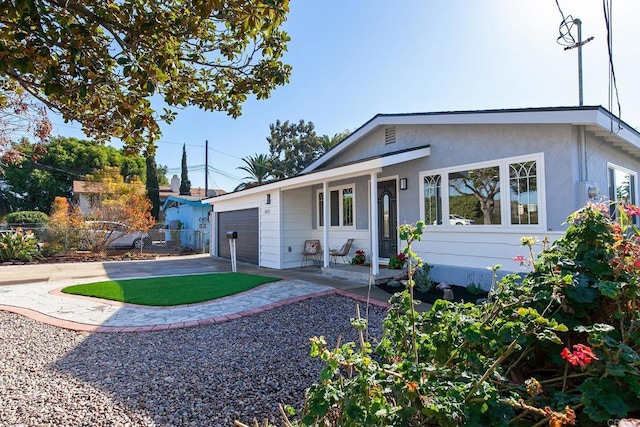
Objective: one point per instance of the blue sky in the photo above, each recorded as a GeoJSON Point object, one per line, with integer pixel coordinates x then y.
{"type": "Point", "coordinates": [353, 59]}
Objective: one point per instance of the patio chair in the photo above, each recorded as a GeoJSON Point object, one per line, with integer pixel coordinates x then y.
{"type": "Point", "coordinates": [342, 252]}
{"type": "Point", "coordinates": [311, 250]}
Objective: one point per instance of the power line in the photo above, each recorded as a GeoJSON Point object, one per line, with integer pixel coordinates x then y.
{"type": "Point", "coordinates": [613, 86]}
{"type": "Point", "coordinates": [565, 38]}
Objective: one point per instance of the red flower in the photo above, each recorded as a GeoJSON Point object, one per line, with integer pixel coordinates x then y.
{"type": "Point", "coordinates": [631, 209]}
{"type": "Point", "coordinates": [582, 355]}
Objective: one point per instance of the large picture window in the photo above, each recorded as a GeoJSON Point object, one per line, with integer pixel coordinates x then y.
{"type": "Point", "coordinates": [475, 195]}
{"type": "Point", "coordinates": [341, 206]}
{"type": "Point", "coordinates": [500, 193]}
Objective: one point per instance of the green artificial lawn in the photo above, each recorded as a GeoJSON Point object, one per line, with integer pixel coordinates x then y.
{"type": "Point", "coordinates": [174, 290]}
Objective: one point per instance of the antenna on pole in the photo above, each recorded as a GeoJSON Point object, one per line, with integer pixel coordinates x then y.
{"type": "Point", "coordinates": [579, 45]}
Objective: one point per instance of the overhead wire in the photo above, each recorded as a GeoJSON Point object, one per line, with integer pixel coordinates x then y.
{"type": "Point", "coordinates": [565, 38]}
{"type": "Point", "coordinates": [613, 85]}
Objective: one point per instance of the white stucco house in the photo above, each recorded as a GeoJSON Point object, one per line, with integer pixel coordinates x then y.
{"type": "Point", "coordinates": [479, 179]}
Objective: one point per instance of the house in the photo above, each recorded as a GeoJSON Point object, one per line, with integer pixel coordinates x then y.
{"type": "Point", "coordinates": [82, 191]}
{"type": "Point", "coordinates": [174, 190]}
{"type": "Point", "coordinates": [187, 220]}
{"type": "Point", "coordinates": [479, 179]}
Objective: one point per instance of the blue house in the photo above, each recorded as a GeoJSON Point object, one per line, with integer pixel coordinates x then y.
{"type": "Point", "coordinates": [187, 222]}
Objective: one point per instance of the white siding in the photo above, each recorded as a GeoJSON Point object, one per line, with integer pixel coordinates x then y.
{"type": "Point", "coordinates": [296, 217]}
{"type": "Point", "coordinates": [479, 249]}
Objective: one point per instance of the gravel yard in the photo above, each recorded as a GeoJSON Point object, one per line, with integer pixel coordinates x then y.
{"type": "Point", "coordinates": [208, 375]}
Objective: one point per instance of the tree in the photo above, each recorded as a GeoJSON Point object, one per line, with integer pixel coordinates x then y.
{"type": "Point", "coordinates": [185, 184]}
{"type": "Point", "coordinates": [161, 173]}
{"type": "Point", "coordinates": [292, 147]}
{"type": "Point", "coordinates": [45, 172]}
{"type": "Point", "coordinates": [258, 167]}
{"type": "Point", "coordinates": [115, 201]}
{"type": "Point", "coordinates": [328, 142]}
{"type": "Point", "coordinates": [101, 62]}
{"type": "Point", "coordinates": [153, 187]}
{"type": "Point", "coordinates": [18, 113]}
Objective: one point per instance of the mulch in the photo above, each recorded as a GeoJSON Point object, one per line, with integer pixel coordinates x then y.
{"type": "Point", "coordinates": [460, 293]}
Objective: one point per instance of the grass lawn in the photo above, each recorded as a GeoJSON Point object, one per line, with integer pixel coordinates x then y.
{"type": "Point", "coordinates": [174, 290]}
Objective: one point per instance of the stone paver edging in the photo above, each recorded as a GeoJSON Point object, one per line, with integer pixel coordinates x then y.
{"type": "Point", "coordinates": [45, 303]}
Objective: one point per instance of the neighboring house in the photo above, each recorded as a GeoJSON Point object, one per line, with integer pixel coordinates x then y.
{"type": "Point", "coordinates": [174, 190]}
{"type": "Point", "coordinates": [508, 173]}
{"type": "Point", "coordinates": [82, 191]}
{"type": "Point", "coordinates": [193, 219]}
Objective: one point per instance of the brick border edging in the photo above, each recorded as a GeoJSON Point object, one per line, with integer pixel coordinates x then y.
{"type": "Point", "coordinates": [83, 327]}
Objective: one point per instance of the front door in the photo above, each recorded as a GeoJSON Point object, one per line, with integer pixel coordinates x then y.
{"type": "Point", "coordinates": [387, 219]}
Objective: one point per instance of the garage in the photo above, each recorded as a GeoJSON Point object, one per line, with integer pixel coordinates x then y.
{"type": "Point", "coordinates": [245, 222]}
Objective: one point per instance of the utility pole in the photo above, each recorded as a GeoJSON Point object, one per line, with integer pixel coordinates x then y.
{"type": "Point", "coordinates": [206, 168]}
{"type": "Point", "coordinates": [579, 45]}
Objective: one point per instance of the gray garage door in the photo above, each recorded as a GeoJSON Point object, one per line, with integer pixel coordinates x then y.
{"type": "Point", "coordinates": [245, 222]}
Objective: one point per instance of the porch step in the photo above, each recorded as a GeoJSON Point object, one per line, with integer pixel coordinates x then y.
{"type": "Point", "coordinates": [358, 273]}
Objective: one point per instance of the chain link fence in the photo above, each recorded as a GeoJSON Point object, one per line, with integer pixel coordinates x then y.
{"type": "Point", "coordinates": [114, 239]}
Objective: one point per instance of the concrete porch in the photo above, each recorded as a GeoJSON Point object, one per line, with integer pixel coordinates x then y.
{"type": "Point", "coordinates": [359, 273]}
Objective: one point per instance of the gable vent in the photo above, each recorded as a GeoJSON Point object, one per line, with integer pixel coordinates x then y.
{"type": "Point", "coordinates": [389, 134]}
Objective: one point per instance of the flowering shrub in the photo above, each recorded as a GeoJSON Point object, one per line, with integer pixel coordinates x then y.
{"type": "Point", "coordinates": [396, 262]}
{"type": "Point", "coordinates": [18, 245]}
{"type": "Point", "coordinates": [359, 258]}
{"type": "Point", "coordinates": [507, 361]}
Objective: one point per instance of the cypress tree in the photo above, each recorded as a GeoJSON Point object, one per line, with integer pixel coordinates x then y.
{"type": "Point", "coordinates": [185, 184]}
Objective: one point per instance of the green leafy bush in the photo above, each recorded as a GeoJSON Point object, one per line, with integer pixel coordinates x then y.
{"type": "Point", "coordinates": [18, 245]}
{"type": "Point", "coordinates": [26, 217]}
{"type": "Point", "coordinates": [422, 278]}
{"type": "Point", "coordinates": [557, 346]}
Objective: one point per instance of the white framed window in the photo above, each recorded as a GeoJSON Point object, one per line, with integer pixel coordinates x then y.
{"type": "Point", "coordinates": [496, 194]}
{"type": "Point", "coordinates": [622, 184]}
{"type": "Point", "coordinates": [342, 207]}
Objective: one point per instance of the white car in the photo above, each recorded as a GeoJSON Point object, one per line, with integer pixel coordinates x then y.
{"type": "Point", "coordinates": [113, 234]}
{"type": "Point", "coordinates": [457, 220]}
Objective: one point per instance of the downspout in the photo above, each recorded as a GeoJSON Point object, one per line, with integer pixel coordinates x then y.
{"type": "Point", "coordinates": [325, 214]}
{"type": "Point", "coordinates": [373, 224]}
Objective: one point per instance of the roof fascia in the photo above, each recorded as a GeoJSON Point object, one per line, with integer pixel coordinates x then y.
{"type": "Point", "coordinates": [568, 115]}
{"type": "Point", "coordinates": [341, 172]}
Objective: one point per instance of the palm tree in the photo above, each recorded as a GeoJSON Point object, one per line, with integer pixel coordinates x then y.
{"type": "Point", "coordinates": [259, 169]}
{"type": "Point", "coordinates": [328, 142]}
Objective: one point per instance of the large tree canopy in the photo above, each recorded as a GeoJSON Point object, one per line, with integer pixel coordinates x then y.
{"type": "Point", "coordinates": [99, 62]}
{"type": "Point", "coordinates": [40, 176]}
{"type": "Point", "coordinates": [292, 147]}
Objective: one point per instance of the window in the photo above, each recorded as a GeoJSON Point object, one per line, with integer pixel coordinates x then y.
{"type": "Point", "coordinates": [500, 193]}
{"type": "Point", "coordinates": [320, 209]}
{"type": "Point", "coordinates": [341, 207]}
{"type": "Point", "coordinates": [475, 195]}
{"type": "Point", "coordinates": [622, 186]}
{"type": "Point", "coordinates": [523, 183]}
{"type": "Point", "coordinates": [432, 199]}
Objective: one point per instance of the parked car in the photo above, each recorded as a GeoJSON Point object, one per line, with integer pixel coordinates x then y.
{"type": "Point", "coordinates": [112, 234]}
{"type": "Point", "coordinates": [457, 220]}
